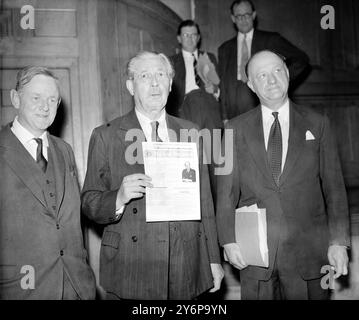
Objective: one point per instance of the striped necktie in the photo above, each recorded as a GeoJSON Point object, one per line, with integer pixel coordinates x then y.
{"type": "Point", "coordinates": [196, 76]}
{"type": "Point", "coordinates": [274, 150]}
{"type": "Point", "coordinates": [154, 134]}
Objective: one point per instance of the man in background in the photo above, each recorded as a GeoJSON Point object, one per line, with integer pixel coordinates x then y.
{"type": "Point", "coordinates": [233, 55]}
{"type": "Point", "coordinates": [42, 253]}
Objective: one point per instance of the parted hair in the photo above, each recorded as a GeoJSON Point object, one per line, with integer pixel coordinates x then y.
{"type": "Point", "coordinates": [25, 75]}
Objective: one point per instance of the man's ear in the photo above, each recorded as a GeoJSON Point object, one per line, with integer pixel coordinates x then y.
{"type": "Point", "coordinates": [130, 87]}
{"type": "Point", "coordinates": [254, 15]}
{"type": "Point", "coordinates": [15, 98]}
{"type": "Point", "coordinates": [179, 39]}
{"type": "Point", "coordinates": [170, 85]}
{"type": "Point", "coordinates": [233, 18]}
{"type": "Point", "coordinates": [250, 85]}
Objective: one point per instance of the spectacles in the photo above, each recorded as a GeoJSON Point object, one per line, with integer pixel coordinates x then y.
{"type": "Point", "coordinates": [188, 35]}
{"type": "Point", "coordinates": [148, 76]}
{"type": "Point", "coordinates": [243, 16]}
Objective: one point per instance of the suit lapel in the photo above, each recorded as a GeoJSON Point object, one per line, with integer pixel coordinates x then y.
{"type": "Point", "coordinates": [22, 164]}
{"type": "Point", "coordinates": [59, 171]}
{"type": "Point", "coordinates": [255, 142]}
{"type": "Point", "coordinates": [296, 141]}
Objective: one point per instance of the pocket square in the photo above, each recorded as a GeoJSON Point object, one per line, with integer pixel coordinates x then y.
{"type": "Point", "coordinates": [309, 136]}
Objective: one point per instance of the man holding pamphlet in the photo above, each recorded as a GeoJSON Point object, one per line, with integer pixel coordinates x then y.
{"type": "Point", "coordinates": [146, 255]}
{"type": "Point", "coordinates": [285, 161]}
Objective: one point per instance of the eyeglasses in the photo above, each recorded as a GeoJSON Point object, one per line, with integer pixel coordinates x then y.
{"type": "Point", "coordinates": [188, 35]}
{"type": "Point", "coordinates": [243, 16]}
{"type": "Point", "coordinates": [148, 76]}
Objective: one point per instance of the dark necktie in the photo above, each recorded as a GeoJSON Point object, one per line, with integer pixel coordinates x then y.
{"type": "Point", "coordinates": [274, 149]}
{"type": "Point", "coordinates": [244, 59]}
{"type": "Point", "coordinates": [40, 159]}
{"type": "Point", "coordinates": [196, 76]}
{"type": "Point", "coordinates": [154, 134]}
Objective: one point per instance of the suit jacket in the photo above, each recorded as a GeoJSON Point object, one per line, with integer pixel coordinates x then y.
{"type": "Point", "coordinates": [34, 233]}
{"type": "Point", "coordinates": [191, 174]}
{"type": "Point", "coordinates": [177, 94]}
{"type": "Point", "coordinates": [135, 255]}
{"type": "Point", "coordinates": [236, 97]}
{"type": "Point", "coordinates": [310, 199]}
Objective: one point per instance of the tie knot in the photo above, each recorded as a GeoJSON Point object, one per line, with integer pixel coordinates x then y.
{"type": "Point", "coordinates": [275, 115]}
{"type": "Point", "coordinates": [39, 141]}
{"type": "Point", "coordinates": [245, 36]}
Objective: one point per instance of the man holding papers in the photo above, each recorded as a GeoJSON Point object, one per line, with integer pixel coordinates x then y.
{"type": "Point", "coordinates": [285, 161]}
{"type": "Point", "coordinates": [139, 259]}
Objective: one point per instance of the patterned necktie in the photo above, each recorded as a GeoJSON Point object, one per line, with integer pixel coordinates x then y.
{"type": "Point", "coordinates": [274, 150]}
{"type": "Point", "coordinates": [196, 76]}
{"type": "Point", "coordinates": [154, 134]}
{"type": "Point", "coordinates": [40, 159]}
{"type": "Point", "coordinates": [244, 59]}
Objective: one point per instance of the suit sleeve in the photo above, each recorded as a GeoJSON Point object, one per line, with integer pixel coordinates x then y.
{"type": "Point", "coordinates": [334, 188]}
{"type": "Point", "coordinates": [98, 200]}
{"type": "Point", "coordinates": [296, 59]}
{"type": "Point", "coordinates": [228, 192]}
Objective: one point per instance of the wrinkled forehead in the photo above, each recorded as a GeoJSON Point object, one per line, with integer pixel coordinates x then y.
{"type": "Point", "coordinates": [242, 8]}
{"type": "Point", "coordinates": [150, 64]}
{"type": "Point", "coordinates": [264, 60]}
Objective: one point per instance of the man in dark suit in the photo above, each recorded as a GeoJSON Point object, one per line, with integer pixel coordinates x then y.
{"type": "Point", "coordinates": [141, 260]}
{"type": "Point", "coordinates": [188, 174]}
{"type": "Point", "coordinates": [285, 160]}
{"type": "Point", "coordinates": [236, 97]}
{"type": "Point", "coordinates": [191, 98]}
{"type": "Point", "coordinates": [42, 253]}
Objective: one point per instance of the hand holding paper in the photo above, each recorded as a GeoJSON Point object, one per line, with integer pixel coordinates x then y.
{"type": "Point", "coordinates": [206, 70]}
{"type": "Point", "coordinates": [233, 253]}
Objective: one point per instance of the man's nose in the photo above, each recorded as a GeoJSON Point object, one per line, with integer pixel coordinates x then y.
{"type": "Point", "coordinates": [154, 81]}
{"type": "Point", "coordinates": [272, 78]}
{"type": "Point", "coordinates": [44, 104]}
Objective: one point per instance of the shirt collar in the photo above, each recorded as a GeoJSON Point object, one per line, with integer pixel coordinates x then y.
{"type": "Point", "coordinates": [283, 112]}
{"type": "Point", "coordinates": [249, 35]}
{"type": "Point", "coordinates": [24, 135]}
{"type": "Point", "coordinates": [188, 55]}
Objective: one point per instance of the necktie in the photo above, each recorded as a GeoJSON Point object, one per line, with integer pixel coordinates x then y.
{"type": "Point", "coordinates": [196, 76]}
{"type": "Point", "coordinates": [244, 59]}
{"type": "Point", "coordinates": [40, 159]}
{"type": "Point", "coordinates": [154, 134]}
{"type": "Point", "coordinates": [274, 150]}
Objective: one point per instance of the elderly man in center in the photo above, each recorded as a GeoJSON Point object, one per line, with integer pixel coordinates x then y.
{"type": "Point", "coordinates": [141, 260]}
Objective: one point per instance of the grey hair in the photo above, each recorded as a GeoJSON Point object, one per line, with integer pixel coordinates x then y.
{"type": "Point", "coordinates": [25, 75]}
{"type": "Point", "coordinates": [131, 66]}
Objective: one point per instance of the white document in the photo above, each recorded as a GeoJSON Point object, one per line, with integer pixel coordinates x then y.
{"type": "Point", "coordinates": [173, 167]}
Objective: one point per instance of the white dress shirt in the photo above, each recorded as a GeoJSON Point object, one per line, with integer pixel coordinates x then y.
{"type": "Point", "coordinates": [283, 117]}
{"type": "Point", "coordinates": [249, 38]}
{"type": "Point", "coordinates": [27, 139]}
{"type": "Point", "coordinates": [145, 123]}
{"type": "Point", "coordinates": [190, 75]}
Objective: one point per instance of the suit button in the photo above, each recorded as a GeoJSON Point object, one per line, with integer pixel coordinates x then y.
{"type": "Point", "coordinates": [54, 207]}
{"type": "Point", "coordinates": [61, 252]}
{"type": "Point", "coordinates": [199, 233]}
{"type": "Point", "coordinates": [51, 194]}
{"type": "Point", "coordinates": [134, 238]}
{"type": "Point", "coordinates": [134, 210]}
{"type": "Point", "coordinates": [48, 181]}
{"type": "Point", "coordinates": [57, 226]}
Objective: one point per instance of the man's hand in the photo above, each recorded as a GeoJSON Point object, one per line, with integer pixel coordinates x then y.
{"type": "Point", "coordinates": [338, 258]}
{"type": "Point", "coordinates": [234, 255]}
{"type": "Point", "coordinates": [133, 186]}
{"type": "Point", "coordinates": [218, 274]}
